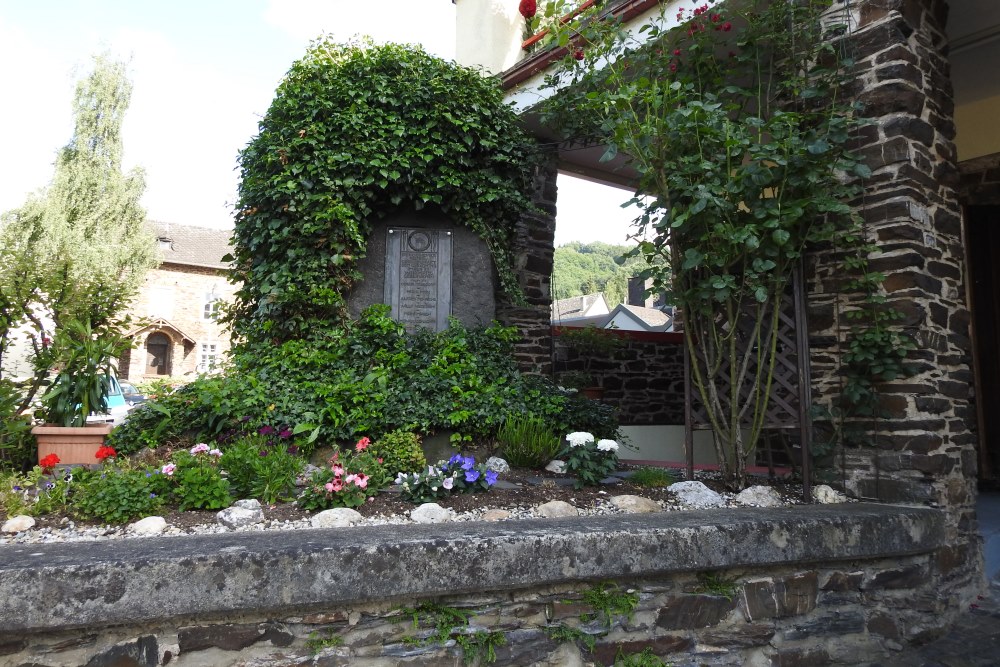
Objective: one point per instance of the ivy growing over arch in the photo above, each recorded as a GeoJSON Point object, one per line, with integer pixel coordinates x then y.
{"type": "Point", "coordinates": [357, 132]}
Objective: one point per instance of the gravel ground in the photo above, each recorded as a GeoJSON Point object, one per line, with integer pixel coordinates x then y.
{"type": "Point", "coordinates": [518, 492]}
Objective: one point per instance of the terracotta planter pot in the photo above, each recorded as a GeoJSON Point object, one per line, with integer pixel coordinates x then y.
{"type": "Point", "coordinates": [72, 444]}
{"type": "Point", "coordinates": [593, 393]}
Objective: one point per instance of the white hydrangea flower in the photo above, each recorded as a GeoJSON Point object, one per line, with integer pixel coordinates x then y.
{"type": "Point", "coordinates": [579, 438]}
{"type": "Point", "coordinates": [607, 445]}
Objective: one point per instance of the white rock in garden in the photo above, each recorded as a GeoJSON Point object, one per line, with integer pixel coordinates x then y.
{"type": "Point", "coordinates": [151, 525]}
{"type": "Point", "coordinates": [759, 496]}
{"type": "Point", "coordinates": [338, 517]}
{"type": "Point", "coordinates": [497, 464]}
{"type": "Point", "coordinates": [827, 496]}
{"type": "Point", "coordinates": [431, 513]}
{"type": "Point", "coordinates": [556, 466]}
{"type": "Point", "coordinates": [305, 477]}
{"type": "Point", "coordinates": [696, 494]}
{"type": "Point", "coordinates": [18, 524]}
{"type": "Point", "coordinates": [238, 517]}
{"type": "Point", "coordinates": [247, 504]}
{"type": "Point", "coordinates": [495, 515]}
{"type": "Point", "coordinates": [635, 504]}
{"type": "Point", "coordinates": [555, 509]}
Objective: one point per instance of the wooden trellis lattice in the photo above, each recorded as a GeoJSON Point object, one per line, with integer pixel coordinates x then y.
{"type": "Point", "coordinates": [790, 395]}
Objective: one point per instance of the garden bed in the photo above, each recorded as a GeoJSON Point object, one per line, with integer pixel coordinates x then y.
{"type": "Point", "coordinates": [518, 493]}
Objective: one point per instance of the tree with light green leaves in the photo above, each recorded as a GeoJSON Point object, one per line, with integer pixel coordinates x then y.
{"type": "Point", "coordinates": [77, 250]}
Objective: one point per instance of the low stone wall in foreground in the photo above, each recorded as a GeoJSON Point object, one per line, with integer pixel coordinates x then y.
{"type": "Point", "coordinates": [814, 585]}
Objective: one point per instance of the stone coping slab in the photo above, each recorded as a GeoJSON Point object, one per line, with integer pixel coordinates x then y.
{"type": "Point", "coordinates": [128, 582]}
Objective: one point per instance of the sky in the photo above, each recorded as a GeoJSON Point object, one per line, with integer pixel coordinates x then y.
{"type": "Point", "coordinates": [204, 73]}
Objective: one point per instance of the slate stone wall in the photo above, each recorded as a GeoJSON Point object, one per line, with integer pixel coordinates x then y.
{"type": "Point", "coordinates": [644, 379]}
{"type": "Point", "coordinates": [533, 252]}
{"type": "Point", "coordinates": [923, 450]}
{"type": "Point", "coordinates": [836, 614]}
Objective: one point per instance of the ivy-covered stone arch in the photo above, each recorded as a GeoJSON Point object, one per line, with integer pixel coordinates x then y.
{"type": "Point", "coordinates": [357, 132]}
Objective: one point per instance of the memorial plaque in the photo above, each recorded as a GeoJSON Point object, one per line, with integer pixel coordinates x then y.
{"type": "Point", "coordinates": [418, 277]}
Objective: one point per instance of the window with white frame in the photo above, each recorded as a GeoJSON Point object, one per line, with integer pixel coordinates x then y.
{"type": "Point", "coordinates": [208, 358]}
{"type": "Point", "coordinates": [212, 305]}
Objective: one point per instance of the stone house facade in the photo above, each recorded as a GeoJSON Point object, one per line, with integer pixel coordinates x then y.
{"type": "Point", "coordinates": [179, 335]}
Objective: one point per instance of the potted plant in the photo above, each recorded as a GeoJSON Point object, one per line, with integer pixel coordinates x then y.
{"type": "Point", "coordinates": [590, 343]}
{"type": "Point", "coordinates": [85, 363]}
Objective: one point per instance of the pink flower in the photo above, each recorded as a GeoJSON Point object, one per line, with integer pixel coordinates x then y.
{"type": "Point", "coordinates": [361, 481]}
{"type": "Point", "coordinates": [215, 452]}
{"type": "Point", "coordinates": [727, 26]}
{"type": "Point", "coordinates": [329, 487]}
{"type": "Point", "coordinates": [337, 485]}
{"type": "Point", "coordinates": [199, 448]}
{"type": "Point", "coordinates": [677, 52]}
{"type": "Point", "coordinates": [168, 469]}
{"type": "Point", "coordinates": [362, 444]}
{"type": "Point", "coordinates": [337, 470]}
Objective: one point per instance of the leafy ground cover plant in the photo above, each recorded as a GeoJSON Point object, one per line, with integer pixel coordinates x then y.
{"type": "Point", "coordinates": [589, 460]}
{"type": "Point", "coordinates": [42, 490]}
{"type": "Point", "coordinates": [459, 474]}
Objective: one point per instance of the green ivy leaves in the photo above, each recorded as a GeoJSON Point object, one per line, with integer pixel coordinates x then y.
{"type": "Point", "coordinates": [357, 132]}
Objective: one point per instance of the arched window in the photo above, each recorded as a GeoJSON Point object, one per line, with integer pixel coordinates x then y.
{"type": "Point", "coordinates": [158, 354]}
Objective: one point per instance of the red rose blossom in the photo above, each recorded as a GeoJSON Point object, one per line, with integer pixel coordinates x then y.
{"type": "Point", "coordinates": [528, 8]}
{"type": "Point", "coordinates": [578, 54]}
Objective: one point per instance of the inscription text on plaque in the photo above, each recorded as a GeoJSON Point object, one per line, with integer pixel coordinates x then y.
{"type": "Point", "coordinates": [418, 277]}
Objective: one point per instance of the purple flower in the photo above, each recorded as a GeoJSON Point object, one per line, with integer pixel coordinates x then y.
{"type": "Point", "coordinates": [285, 433]}
{"type": "Point", "coordinates": [265, 430]}
{"type": "Point", "coordinates": [245, 419]}
{"type": "Point", "coordinates": [468, 462]}
{"type": "Point", "coordinates": [293, 450]}
{"type": "Point", "coordinates": [457, 458]}
{"type": "Point", "coordinates": [491, 477]}
{"type": "Point", "coordinates": [471, 475]}
{"type": "Point", "coordinates": [263, 452]}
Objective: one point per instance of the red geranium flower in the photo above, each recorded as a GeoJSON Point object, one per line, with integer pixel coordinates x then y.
{"type": "Point", "coordinates": [105, 452]}
{"type": "Point", "coordinates": [528, 8]}
{"type": "Point", "coordinates": [49, 462]}
{"type": "Point", "coordinates": [578, 54]}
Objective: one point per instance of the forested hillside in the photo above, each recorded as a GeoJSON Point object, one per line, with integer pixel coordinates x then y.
{"type": "Point", "coordinates": [585, 268]}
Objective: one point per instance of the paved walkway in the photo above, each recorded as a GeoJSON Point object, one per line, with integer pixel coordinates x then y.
{"type": "Point", "coordinates": [974, 641]}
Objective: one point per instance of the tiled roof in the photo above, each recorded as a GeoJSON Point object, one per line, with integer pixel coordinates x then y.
{"type": "Point", "coordinates": [651, 316]}
{"type": "Point", "coordinates": [190, 245]}
{"type": "Point", "coordinates": [574, 307]}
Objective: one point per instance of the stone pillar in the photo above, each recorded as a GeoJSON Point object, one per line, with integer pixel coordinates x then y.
{"type": "Point", "coordinates": [923, 450]}
{"type": "Point", "coordinates": [533, 252]}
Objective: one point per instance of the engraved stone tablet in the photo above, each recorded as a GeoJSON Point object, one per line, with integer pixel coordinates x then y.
{"type": "Point", "coordinates": [418, 277]}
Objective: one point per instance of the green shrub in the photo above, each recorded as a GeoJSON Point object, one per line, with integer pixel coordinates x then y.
{"type": "Point", "coordinates": [370, 378]}
{"type": "Point", "coordinates": [527, 441]}
{"type": "Point", "coordinates": [262, 467]}
{"type": "Point", "coordinates": [197, 481]}
{"type": "Point", "coordinates": [400, 451]}
{"type": "Point", "coordinates": [118, 494]}
{"type": "Point", "coordinates": [16, 442]}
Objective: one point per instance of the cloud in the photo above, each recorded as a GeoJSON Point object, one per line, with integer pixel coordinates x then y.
{"type": "Point", "coordinates": [430, 23]}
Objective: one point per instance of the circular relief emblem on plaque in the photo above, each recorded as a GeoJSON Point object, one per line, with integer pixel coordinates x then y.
{"type": "Point", "coordinates": [419, 241]}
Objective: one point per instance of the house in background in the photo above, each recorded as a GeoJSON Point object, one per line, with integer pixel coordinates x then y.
{"type": "Point", "coordinates": [576, 308]}
{"type": "Point", "coordinates": [178, 306]}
